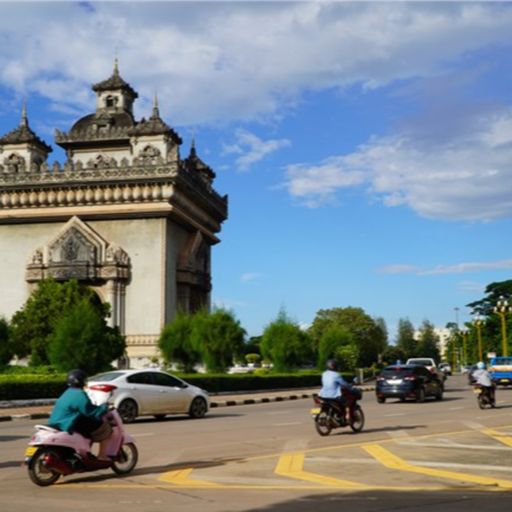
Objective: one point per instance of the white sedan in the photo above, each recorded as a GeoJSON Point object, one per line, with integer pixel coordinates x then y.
{"type": "Point", "coordinates": [147, 392]}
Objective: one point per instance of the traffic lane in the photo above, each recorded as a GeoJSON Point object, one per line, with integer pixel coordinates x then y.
{"type": "Point", "coordinates": [264, 428]}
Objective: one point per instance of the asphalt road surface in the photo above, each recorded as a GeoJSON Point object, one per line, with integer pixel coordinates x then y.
{"type": "Point", "coordinates": [439, 455]}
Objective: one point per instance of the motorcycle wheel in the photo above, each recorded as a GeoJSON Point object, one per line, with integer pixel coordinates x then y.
{"type": "Point", "coordinates": [126, 459]}
{"type": "Point", "coordinates": [38, 472]}
{"type": "Point", "coordinates": [357, 422]}
{"type": "Point", "coordinates": [323, 424]}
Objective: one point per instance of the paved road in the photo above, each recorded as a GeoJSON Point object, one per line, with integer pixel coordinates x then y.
{"type": "Point", "coordinates": [445, 455]}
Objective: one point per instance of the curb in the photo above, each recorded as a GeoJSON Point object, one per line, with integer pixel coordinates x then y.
{"type": "Point", "coordinates": [213, 405]}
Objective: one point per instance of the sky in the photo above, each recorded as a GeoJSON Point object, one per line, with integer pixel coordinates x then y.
{"type": "Point", "coordinates": [365, 147]}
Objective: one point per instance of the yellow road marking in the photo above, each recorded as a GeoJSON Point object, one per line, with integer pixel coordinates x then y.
{"type": "Point", "coordinates": [502, 438]}
{"type": "Point", "coordinates": [291, 465]}
{"type": "Point", "coordinates": [391, 461]}
{"type": "Point", "coordinates": [181, 477]}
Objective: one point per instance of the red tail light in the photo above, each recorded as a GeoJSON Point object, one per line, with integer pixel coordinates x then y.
{"type": "Point", "coordinates": [410, 378]}
{"type": "Point", "coordinates": [106, 388]}
{"type": "Point", "coordinates": [381, 378]}
{"type": "Point", "coordinates": [317, 400]}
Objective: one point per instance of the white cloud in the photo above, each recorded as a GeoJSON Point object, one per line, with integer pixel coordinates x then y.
{"type": "Point", "coordinates": [399, 269]}
{"type": "Point", "coordinates": [219, 62]}
{"type": "Point", "coordinates": [252, 149]}
{"type": "Point", "coordinates": [462, 268]}
{"type": "Point", "coordinates": [465, 177]}
{"type": "Point", "coordinates": [250, 276]}
{"type": "Point", "coordinates": [459, 268]}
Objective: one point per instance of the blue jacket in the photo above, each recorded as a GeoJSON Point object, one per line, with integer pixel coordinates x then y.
{"type": "Point", "coordinates": [332, 383]}
{"type": "Point", "coordinates": [72, 404]}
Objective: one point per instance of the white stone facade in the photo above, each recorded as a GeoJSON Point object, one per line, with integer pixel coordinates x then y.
{"type": "Point", "coordinates": [124, 214]}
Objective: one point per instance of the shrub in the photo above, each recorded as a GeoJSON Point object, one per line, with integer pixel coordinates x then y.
{"type": "Point", "coordinates": [83, 340]}
{"type": "Point", "coordinates": [176, 343]}
{"type": "Point", "coordinates": [285, 344]}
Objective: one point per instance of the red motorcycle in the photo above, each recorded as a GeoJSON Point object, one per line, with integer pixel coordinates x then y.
{"type": "Point", "coordinates": [331, 414]}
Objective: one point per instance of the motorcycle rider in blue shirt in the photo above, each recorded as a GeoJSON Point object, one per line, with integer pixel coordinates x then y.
{"type": "Point", "coordinates": [332, 385]}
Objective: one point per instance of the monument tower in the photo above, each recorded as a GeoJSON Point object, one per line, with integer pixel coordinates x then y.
{"type": "Point", "coordinates": [124, 214]}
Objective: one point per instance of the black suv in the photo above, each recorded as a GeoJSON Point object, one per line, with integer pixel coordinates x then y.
{"type": "Point", "coordinates": [408, 381]}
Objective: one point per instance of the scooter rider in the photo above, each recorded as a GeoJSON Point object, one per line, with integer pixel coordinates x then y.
{"type": "Point", "coordinates": [483, 378]}
{"type": "Point", "coordinates": [74, 412]}
{"type": "Point", "coordinates": [333, 383]}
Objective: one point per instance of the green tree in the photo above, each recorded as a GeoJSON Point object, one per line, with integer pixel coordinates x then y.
{"type": "Point", "coordinates": [347, 357]}
{"type": "Point", "coordinates": [491, 329]}
{"type": "Point", "coordinates": [6, 352]}
{"type": "Point", "coordinates": [176, 345]}
{"type": "Point", "coordinates": [32, 326]}
{"type": "Point", "coordinates": [333, 338]}
{"type": "Point", "coordinates": [428, 341]}
{"type": "Point", "coordinates": [392, 354]}
{"type": "Point", "coordinates": [405, 338]}
{"type": "Point", "coordinates": [285, 343]}
{"type": "Point", "coordinates": [82, 339]}
{"type": "Point", "coordinates": [218, 337]}
{"type": "Point", "coordinates": [368, 335]}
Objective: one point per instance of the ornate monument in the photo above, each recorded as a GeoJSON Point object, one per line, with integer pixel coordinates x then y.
{"type": "Point", "coordinates": [124, 214]}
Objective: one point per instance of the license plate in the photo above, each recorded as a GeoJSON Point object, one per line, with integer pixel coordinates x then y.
{"type": "Point", "coordinates": [396, 381]}
{"type": "Point", "coordinates": [505, 380]}
{"type": "Point", "coordinates": [476, 391]}
{"type": "Point", "coordinates": [315, 411]}
{"type": "Point", "coordinates": [30, 451]}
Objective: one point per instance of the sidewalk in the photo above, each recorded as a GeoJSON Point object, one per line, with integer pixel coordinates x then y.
{"type": "Point", "coordinates": [38, 409]}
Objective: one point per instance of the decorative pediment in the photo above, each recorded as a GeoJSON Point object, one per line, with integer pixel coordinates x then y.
{"type": "Point", "coordinates": [79, 252]}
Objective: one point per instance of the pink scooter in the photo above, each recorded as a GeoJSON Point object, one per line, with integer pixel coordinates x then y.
{"type": "Point", "coordinates": [52, 453]}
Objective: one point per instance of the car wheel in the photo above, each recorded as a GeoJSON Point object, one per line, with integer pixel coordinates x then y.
{"type": "Point", "coordinates": [420, 395]}
{"type": "Point", "coordinates": [128, 410]}
{"type": "Point", "coordinates": [439, 394]}
{"type": "Point", "coordinates": [198, 408]}
{"type": "Point", "coordinates": [381, 399]}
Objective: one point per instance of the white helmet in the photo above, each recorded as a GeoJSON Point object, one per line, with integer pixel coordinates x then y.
{"type": "Point", "coordinates": [480, 365]}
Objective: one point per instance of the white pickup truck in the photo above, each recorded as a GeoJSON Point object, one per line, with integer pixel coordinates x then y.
{"type": "Point", "coordinates": [423, 361]}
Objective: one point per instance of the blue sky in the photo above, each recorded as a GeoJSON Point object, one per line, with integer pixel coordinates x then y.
{"type": "Point", "coordinates": [366, 147]}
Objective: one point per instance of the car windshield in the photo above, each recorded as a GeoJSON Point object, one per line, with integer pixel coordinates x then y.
{"type": "Point", "coordinates": [421, 362]}
{"type": "Point", "coordinates": [397, 371]}
{"type": "Point", "coordinates": [103, 377]}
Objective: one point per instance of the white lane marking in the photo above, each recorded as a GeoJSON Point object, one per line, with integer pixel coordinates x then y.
{"type": "Point", "coordinates": [288, 424]}
{"type": "Point", "coordinates": [454, 445]}
{"type": "Point", "coordinates": [478, 467]}
{"type": "Point", "coordinates": [434, 464]}
{"type": "Point", "coordinates": [456, 408]}
{"type": "Point", "coordinates": [473, 424]}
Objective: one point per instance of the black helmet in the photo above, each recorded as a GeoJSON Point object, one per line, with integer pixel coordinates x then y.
{"type": "Point", "coordinates": [332, 364]}
{"type": "Point", "coordinates": [76, 378]}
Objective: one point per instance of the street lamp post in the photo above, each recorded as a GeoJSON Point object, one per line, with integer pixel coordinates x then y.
{"type": "Point", "coordinates": [478, 322]}
{"type": "Point", "coordinates": [502, 308]}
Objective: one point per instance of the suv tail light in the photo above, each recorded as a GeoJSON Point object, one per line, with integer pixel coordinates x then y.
{"type": "Point", "coordinates": [106, 388]}
{"type": "Point", "coordinates": [380, 378]}
{"type": "Point", "coordinates": [410, 377]}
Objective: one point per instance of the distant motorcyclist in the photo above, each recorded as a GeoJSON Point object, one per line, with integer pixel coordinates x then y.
{"type": "Point", "coordinates": [333, 384]}
{"type": "Point", "coordinates": [74, 412]}
{"type": "Point", "coordinates": [483, 379]}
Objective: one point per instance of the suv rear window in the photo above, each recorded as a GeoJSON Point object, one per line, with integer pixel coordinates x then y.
{"type": "Point", "coordinates": [397, 372]}
{"type": "Point", "coordinates": [421, 362]}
